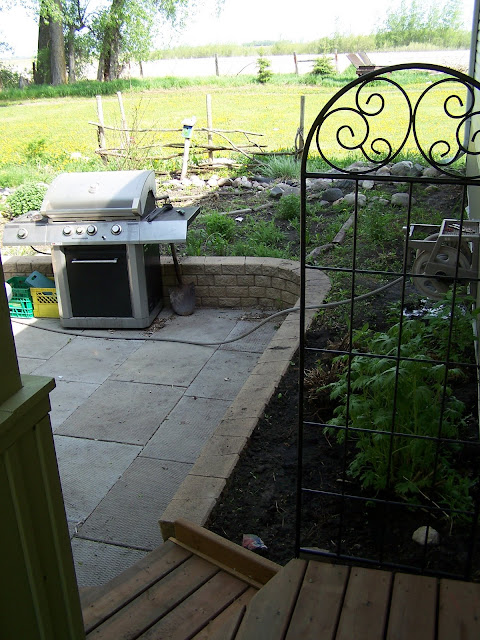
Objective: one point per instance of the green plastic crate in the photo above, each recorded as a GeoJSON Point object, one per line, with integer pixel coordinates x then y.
{"type": "Point", "coordinates": [21, 303]}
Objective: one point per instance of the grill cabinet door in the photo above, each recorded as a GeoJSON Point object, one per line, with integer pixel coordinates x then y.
{"type": "Point", "coordinates": [98, 281]}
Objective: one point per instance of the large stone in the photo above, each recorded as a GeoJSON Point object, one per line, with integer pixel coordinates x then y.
{"type": "Point", "coordinates": [401, 199]}
{"type": "Point", "coordinates": [404, 168]}
{"type": "Point", "coordinates": [332, 194]}
{"type": "Point", "coordinates": [422, 537]}
{"type": "Point", "coordinates": [350, 199]}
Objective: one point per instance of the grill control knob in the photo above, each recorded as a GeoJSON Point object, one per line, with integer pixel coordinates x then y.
{"type": "Point", "coordinates": [91, 229]}
{"type": "Point", "coordinates": [22, 233]}
{"type": "Point", "coordinates": [67, 231]}
{"type": "Point", "coordinates": [116, 229]}
{"type": "Point", "coordinates": [79, 231]}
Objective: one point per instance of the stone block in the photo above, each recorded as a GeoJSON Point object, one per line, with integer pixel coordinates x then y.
{"type": "Point", "coordinates": [257, 292]}
{"type": "Point", "coordinates": [192, 509]}
{"type": "Point", "coordinates": [245, 281]}
{"type": "Point", "coordinates": [217, 292]}
{"type": "Point", "coordinates": [229, 303]}
{"type": "Point", "coordinates": [263, 281]}
{"type": "Point", "coordinates": [234, 266]}
{"type": "Point", "coordinates": [202, 487]}
{"type": "Point", "coordinates": [215, 466]}
{"type": "Point", "coordinates": [225, 281]}
{"type": "Point", "coordinates": [205, 280]}
{"type": "Point", "coordinates": [236, 427]}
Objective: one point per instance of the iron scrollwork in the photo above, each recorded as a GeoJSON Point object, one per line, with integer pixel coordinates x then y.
{"type": "Point", "coordinates": [376, 118]}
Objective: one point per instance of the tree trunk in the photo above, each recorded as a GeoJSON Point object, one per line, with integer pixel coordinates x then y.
{"type": "Point", "coordinates": [72, 75]}
{"type": "Point", "coordinates": [57, 56]}
{"type": "Point", "coordinates": [111, 41]}
{"type": "Point", "coordinates": [50, 67]}
{"type": "Point", "coordinates": [42, 68]}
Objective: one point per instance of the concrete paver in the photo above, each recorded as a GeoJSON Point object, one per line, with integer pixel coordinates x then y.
{"type": "Point", "coordinates": [186, 431]}
{"type": "Point", "coordinates": [223, 375]}
{"type": "Point", "coordinates": [88, 359]}
{"type": "Point", "coordinates": [88, 469]}
{"type": "Point", "coordinates": [66, 398]}
{"type": "Point", "coordinates": [131, 415]}
{"type": "Point", "coordinates": [126, 515]}
{"type": "Point", "coordinates": [128, 412]}
{"type": "Point", "coordinates": [164, 363]}
{"type": "Point", "coordinates": [97, 562]}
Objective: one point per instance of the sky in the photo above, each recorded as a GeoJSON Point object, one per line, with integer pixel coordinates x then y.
{"type": "Point", "coordinates": [242, 21]}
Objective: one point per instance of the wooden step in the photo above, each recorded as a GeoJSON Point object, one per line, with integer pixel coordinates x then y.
{"type": "Point", "coordinates": [194, 585]}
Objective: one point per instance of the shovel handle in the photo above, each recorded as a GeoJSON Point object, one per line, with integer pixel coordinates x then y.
{"type": "Point", "coordinates": [175, 264]}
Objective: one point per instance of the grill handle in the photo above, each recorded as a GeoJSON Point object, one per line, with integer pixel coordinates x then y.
{"type": "Point", "coordinates": [112, 261]}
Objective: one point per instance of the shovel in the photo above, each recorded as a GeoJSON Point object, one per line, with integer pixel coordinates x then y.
{"type": "Point", "coordinates": [182, 298]}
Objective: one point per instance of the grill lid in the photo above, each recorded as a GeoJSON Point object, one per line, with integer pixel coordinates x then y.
{"type": "Point", "coordinates": [100, 195]}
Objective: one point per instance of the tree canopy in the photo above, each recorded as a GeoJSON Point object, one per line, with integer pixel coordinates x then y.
{"type": "Point", "coordinates": [435, 23]}
{"type": "Point", "coordinates": [114, 33]}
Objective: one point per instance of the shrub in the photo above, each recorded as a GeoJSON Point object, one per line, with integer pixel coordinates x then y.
{"type": "Point", "coordinates": [27, 197]}
{"type": "Point", "coordinates": [264, 73]}
{"type": "Point", "coordinates": [323, 67]}
{"type": "Point", "coordinates": [288, 208]}
{"type": "Point", "coordinates": [220, 225]}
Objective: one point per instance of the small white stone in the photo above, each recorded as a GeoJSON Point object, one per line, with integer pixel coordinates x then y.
{"type": "Point", "coordinates": [421, 537]}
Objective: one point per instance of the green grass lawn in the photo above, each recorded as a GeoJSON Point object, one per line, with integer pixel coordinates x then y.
{"type": "Point", "coordinates": [47, 131]}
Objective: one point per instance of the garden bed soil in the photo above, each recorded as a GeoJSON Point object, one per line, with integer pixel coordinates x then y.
{"type": "Point", "coordinates": [260, 497]}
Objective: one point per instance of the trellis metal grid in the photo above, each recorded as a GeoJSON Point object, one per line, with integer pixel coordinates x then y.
{"type": "Point", "coordinates": [378, 119]}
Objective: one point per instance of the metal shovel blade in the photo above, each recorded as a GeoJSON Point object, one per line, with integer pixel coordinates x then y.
{"type": "Point", "coordinates": [182, 298]}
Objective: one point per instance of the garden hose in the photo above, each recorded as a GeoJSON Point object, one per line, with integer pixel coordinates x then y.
{"type": "Point", "coordinates": [313, 307]}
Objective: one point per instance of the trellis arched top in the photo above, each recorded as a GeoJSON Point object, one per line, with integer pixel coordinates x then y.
{"type": "Point", "coordinates": [375, 119]}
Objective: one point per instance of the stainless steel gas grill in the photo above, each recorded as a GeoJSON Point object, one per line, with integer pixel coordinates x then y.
{"type": "Point", "coordinates": [104, 229]}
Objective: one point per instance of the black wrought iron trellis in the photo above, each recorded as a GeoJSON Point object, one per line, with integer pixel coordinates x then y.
{"type": "Point", "coordinates": [379, 119]}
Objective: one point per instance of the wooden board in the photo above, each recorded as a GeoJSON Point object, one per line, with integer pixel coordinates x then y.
{"type": "Point", "coordinates": [413, 608]}
{"type": "Point", "coordinates": [225, 625]}
{"type": "Point", "coordinates": [459, 610]}
{"type": "Point", "coordinates": [99, 604]}
{"type": "Point", "coordinates": [151, 605]}
{"type": "Point", "coordinates": [225, 554]}
{"type": "Point", "coordinates": [319, 602]}
{"type": "Point", "coordinates": [268, 614]}
{"type": "Point", "coordinates": [364, 611]}
{"type": "Point", "coordinates": [195, 612]}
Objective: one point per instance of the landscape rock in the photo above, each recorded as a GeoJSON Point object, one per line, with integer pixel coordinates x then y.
{"type": "Point", "coordinates": [197, 182]}
{"type": "Point", "coordinates": [383, 171]}
{"type": "Point", "coordinates": [350, 199]}
{"type": "Point", "coordinates": [346, 184]}
{"type": "Point", "coordinates": [430, 172]}
{"type": "Point", "coordinates": [262, 179]}
{"type": "Point", "coordinates": [421, 537]}
{"type": "Point", "coordinates": [332, 194]}
{"type": "Point", "coordinates": [213, 181]}
{"type": "Point", "coordinates": [225, 182]}
{"type": "Point", "coordinates": [367, 184]}
{"type": "Point", "coordinates": [283, 189]}
{"type": "Point", "coordinates": [243, 182]}
{"type": "Point", "coordinates": [405, 168]}
{"type": "Point", "coordinates": [318, 184]}
{"type": "Point", "coordinates": [401, 199]}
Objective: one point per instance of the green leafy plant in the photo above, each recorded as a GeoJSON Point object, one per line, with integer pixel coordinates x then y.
{"type": "Point", "coordinates": [221, 225]}
{"type": "Point", "coordinates": [27, 197]}
{"type": "Point", "coordinates": [398, 410]}
{"type": "Point", "coordinates": [283, 167]}
{"type": "Point", "coordinates": [288, 208]}
{"type": "Point", "coordinates": [264, 72]}
{"type": "Point", "coordinates": [323, 67]}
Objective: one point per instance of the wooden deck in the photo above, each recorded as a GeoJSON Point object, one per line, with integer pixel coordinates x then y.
{"type": "Point", "coordinates": [201, 587]}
